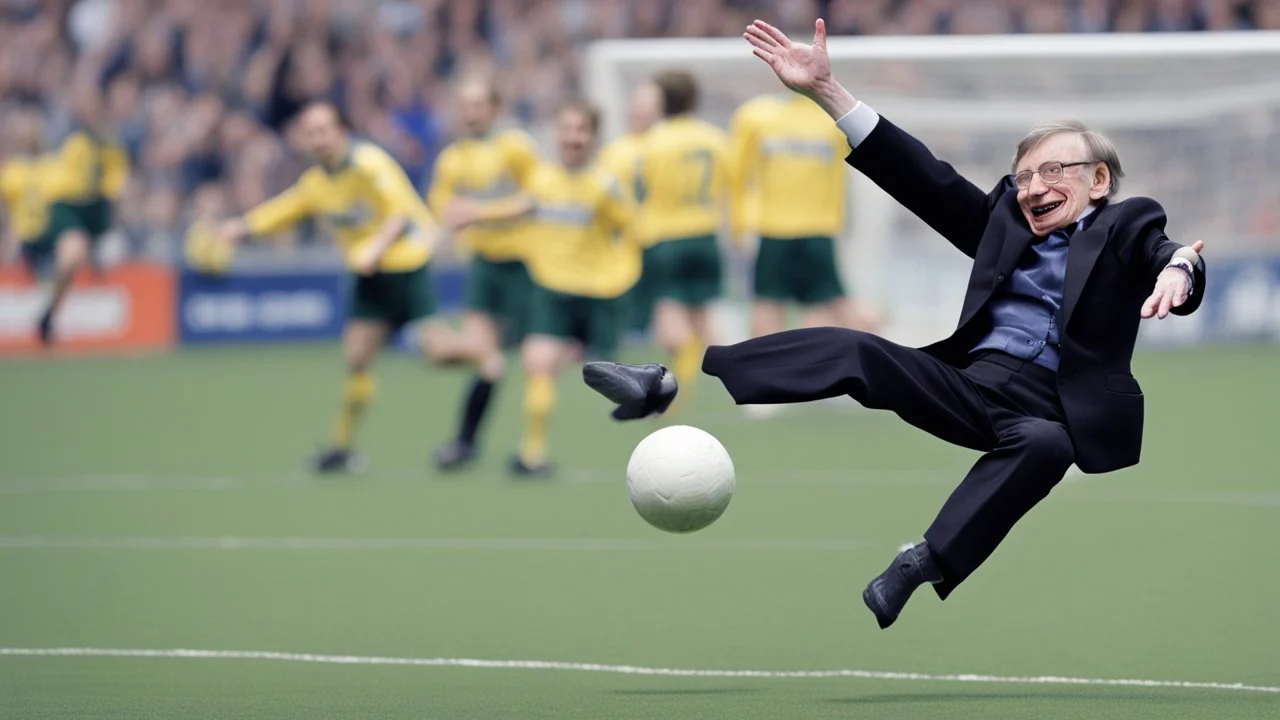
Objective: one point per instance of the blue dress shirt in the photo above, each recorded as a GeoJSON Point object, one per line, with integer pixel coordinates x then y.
{"type": "Point", "coordinates": [1024, 311]}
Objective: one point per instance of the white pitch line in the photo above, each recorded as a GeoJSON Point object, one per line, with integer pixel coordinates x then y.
{"type": "Point", "coordinates": [51, 542]}
{"type": "Point", "coordinates": [625, 669]}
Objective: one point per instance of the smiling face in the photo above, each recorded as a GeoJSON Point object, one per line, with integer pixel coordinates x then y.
{"type": "Point", "coordinates": [575, 135]}
{"type": "Point", "coordinates": [1048, 207]}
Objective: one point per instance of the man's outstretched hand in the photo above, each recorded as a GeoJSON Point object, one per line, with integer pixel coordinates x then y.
{"type": "Point", "coordinates": [805, 69]}
{"type": "Point", "coordinates": [1173, 287]}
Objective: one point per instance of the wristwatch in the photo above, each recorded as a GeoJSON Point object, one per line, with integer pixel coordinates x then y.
{"type": "Point", "coordinates": [1184, 265]}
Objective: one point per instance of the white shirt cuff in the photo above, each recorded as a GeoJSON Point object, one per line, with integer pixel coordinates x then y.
{"type": "Point", "coordinates": [858, 123]}
{"type": "Point", "coordinates": [1185, 264]}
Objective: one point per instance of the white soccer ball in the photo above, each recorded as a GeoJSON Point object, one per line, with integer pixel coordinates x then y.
{"type": "Point", "coordinates": [680, 479]}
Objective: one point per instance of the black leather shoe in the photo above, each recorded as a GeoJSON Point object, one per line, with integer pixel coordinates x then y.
{"type": "Point", "coordinates": [44, 329]}
{"type": "Point", "coordinates": [336, 461]}
{"type": "Point", "coordinates": [640, 391]}
{"type": "Point", "coordinates": [888, 593]}
{"type": "Point", "coordinates": [454, 455]}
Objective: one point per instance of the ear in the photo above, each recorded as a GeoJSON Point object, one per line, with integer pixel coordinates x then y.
{"type": "Point", "coordinates": [1101, 184]}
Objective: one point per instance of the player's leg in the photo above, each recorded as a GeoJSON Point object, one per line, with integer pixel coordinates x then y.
{"type": "Point", "coordinates": [770, 295]}
{"type": "Point", "coordinates": [636, 305]}
{"type": "Point", "coordinates": [695, 272]}
{"type": "Point", "coordinates": [769, 287]}
{"type": "Point", "coordinates": [544, 352]}
{"type": "Point", "coordinates": [481, 335]}
{"type": "Point", "coordinates": [543, 357]}
{"type": "Point", "coordinates": [816, 286]}
{"type": "Point", "coordinates": [71, 252]}
{"type": "Point", "coordinates": [361, 341]}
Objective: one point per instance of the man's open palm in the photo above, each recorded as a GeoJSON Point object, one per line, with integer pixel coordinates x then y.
{"type": "Point", "coordinates": [799, 66]}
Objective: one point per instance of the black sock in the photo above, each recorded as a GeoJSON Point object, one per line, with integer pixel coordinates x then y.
{"type": "Point", "coordinates": [474, 409]}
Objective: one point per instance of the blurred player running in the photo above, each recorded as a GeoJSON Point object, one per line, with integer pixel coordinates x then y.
{"type": "Point", "coordinates": [24, 178]}
{"type": "Point", "coordinates": [581, 261]}
{"type": "Point", "coordinates": [477, 178]}
{"type": "Point", "coordinates": [789, 187]}
{"type": "Point", "coordinates": [386, 234]}
{"type": "Point", "coordinates": [619, 158]}
{"type": "Point", "coordinates": [680, 185]}
{"type": "Point", "coordinates": [89, 172]}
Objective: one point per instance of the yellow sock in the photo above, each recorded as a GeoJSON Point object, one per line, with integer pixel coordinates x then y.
{"type": "Point", "coordinates": [686, 365]}
{"type": "Point", "coordinates": [539, 401]}
{"type": "Point", "coordinates": [355, 398]}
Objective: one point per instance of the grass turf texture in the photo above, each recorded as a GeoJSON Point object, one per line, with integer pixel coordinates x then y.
{"type": "Point", "coordinates": [115, 475]}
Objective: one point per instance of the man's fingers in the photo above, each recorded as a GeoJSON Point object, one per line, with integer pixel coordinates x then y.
{"type": "Point", "coordinates": [759, 41]}
{"type": "Point", "coordinates": [773, 32]}
{"type": "Point", "coordinates": [1149, 307]}
{"type": "Point", "coordinates": [820, 32]}
{"type": "Point", "coordinates": [1166, 304]}
{"type": "Point", "coordinates": [759, 38]}
{"type": "Point", "coordinates": [763, 55]}
{"type": "Point", "coordinates": [1197, 246]}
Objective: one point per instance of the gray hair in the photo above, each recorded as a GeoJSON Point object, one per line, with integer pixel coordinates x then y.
{"type": "Point", "coordinates": [1099, 147]}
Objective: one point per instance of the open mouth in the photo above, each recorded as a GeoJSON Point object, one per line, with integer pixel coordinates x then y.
{"type": "Point", "coordinates": [1042, 210]}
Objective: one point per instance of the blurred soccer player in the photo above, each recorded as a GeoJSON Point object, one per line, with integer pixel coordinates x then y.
{"type": "Point", "coordinates": [619, 158]}
{"type": "Point", "coordinates": [386, 234]}
{"type": "Point", "coordinates": [477, 178]}
{"type": "Point", "coordinates": [24, 178]}
{"type": "Point", "coordinates": [788, 186]}
{"type": "Point", "coordinates": [89, 173]}
{"type": "Point", "coordinates": [581, 261]}
{"type": "Point", "coordinates": [680, 186]}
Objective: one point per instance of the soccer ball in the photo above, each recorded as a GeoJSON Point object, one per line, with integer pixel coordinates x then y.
{"type": "Point", "coordinates": [680, 479]}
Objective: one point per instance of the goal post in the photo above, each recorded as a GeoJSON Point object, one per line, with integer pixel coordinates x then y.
{"type": "Point", "coordinates": [1196, 117]}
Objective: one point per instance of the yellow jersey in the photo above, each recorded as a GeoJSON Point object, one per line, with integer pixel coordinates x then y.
{"type": "Point", "coordinates": [619, 159]}
{"type": "Point", "coordinates": [354, 201]}
{"type": "Point", "coordinates": [789, 178]}
{"type": "Point", "coordinates": [24, 191]}
{"type": "Point", "coordinates": [681, 180]}
{"type": "Point", "coordinates": [87, 168]}
{"type": "Point", "coordinates": [576, 242]}
{"type": "Point", "coordinates": [493, 169]}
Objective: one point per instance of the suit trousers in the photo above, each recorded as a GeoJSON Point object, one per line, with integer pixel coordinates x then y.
{"type": "Point", "coordinates": [1005, 407]}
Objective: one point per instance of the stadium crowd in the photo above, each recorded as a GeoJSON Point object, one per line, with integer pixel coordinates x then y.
{"type": "Point", "coordinates": [201, 92]}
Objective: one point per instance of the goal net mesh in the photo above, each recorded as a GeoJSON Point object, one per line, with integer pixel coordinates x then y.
{"type": "Point", "coordinates": [1196, 119]}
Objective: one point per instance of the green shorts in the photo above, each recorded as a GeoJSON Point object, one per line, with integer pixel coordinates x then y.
{"type": "Point", "coordinates": [636, 305]}
{"type": "Point", "coordinates": [687, 270]}
{"type": "Point", "coordinates": [395, 298]}
{"type": "Point", "coordinates": [589, 320]}
{"type": "Point", "coordinates": [38, 254]}
{"type": "Point", "coordinates": [500, 289]}
{"type": "Point", "coordinates": [93, 218]}
{"type": "Point", "coordinates": [801, 270]}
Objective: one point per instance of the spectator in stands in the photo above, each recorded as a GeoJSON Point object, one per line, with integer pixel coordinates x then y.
{"type": "Point", "coordinates": [234, 71]}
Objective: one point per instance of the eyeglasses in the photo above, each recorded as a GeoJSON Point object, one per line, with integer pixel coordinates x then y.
{"type": "Point", "coordinates": [1051, 173]}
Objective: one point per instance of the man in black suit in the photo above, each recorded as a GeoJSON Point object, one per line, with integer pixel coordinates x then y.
{"type": "Point", "coordinates": [1037, 374]}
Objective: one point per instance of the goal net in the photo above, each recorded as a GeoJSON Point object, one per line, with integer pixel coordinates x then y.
{"type": "Point", "coordinates": [1196, 118]}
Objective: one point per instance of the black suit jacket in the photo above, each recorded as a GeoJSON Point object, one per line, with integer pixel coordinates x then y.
{"type": "Point", "coordinates": [1112, 266]}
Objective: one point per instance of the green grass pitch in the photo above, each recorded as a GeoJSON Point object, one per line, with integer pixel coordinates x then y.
{"type": "Point", "coordinates": [162, 503]}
